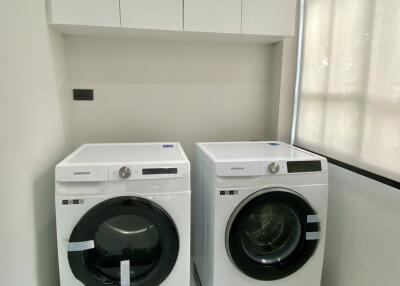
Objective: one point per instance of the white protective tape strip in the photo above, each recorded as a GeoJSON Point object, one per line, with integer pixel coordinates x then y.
{"type": "Point", "coordinates": [80, 246]}
{"type": "Point", "coordinates": [312, 219]}
{"type": "Point", "coordinates": [313, 235]}
{"type": "Point", "coordinates": [125, 273]}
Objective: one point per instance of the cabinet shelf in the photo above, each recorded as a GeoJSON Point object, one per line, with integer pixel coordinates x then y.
{"type": "Point", "coordinates": [264, 21]}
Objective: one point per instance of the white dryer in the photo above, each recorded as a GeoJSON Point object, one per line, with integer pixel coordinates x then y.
{"type": "Point", "coordinates": [123, 215]}
{"type": "Point", "coordinates": [260, 214]}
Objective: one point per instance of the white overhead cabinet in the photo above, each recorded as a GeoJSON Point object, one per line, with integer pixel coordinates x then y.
{"type": "Point", "coordinates": [269, 17]}
{"type": "Point", "coordinates": [218, 16]}
{"type": "Point", "coordinates": [103, 13]}
{"type": "Point", "coordinates": [269, 20]}
{"type": "Point", "coordinates": [152, 14]}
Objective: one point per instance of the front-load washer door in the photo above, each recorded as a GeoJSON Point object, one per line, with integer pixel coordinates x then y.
{"type": "Point", "coordinates": [125, 241]}
{"type": "Point", "coordinates": [272, 234]}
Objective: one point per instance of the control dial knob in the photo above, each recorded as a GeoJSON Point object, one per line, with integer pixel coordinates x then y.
{"type": "Point", "coordinates": [274, 167]}
{"type": "Point", "coordinates": [124, 172]}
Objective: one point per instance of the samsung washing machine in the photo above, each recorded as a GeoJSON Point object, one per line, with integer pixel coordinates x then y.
{"type": "Point", "coordinates": [260, 214]}
{"type": "Point", "coordinates": [123, 215]}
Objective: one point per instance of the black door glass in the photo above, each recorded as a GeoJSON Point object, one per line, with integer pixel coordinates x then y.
{"type": "Point", "coordinates": [125, 237]}
{"type": "Point", "coordinates": [271, 233]}
{"type": "Point", "coordinates": [125, 228]}
{"type": "Point", "coordinates": [266, 235]}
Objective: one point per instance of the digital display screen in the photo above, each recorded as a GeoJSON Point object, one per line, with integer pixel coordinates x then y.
{"type": "Point", "coordinates": [303, 166]}
{"type": "Point", "coordinates": [159, 171]}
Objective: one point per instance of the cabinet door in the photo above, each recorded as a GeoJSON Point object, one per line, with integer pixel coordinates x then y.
{"type": "Point", "coordinates": [269, 17]}
{"type": "Point", "coordinates": [86, 12]}
{"type": "Point", "coordinates": [220, 16]}
{"type": "Point", "coordinates": [152, 14]}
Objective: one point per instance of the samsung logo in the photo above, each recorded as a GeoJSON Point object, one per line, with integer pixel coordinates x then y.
{"type": "Point", "coordinates": [81, 173]}
{"type": "Point", "coordinates": [237, 168]}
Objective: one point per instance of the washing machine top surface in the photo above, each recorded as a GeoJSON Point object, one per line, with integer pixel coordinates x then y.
{"type": "Point", "coordinates": [124, 153]}
{"type": "Point", "coordinates": [247, 151]}
{"type": "Point", "coordinates": [255, 158]}
{"type": "Point", "coordinates": [124, 161]}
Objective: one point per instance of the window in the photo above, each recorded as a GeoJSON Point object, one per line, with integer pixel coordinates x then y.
{"type": "Point", "coordinates": [350, 89]}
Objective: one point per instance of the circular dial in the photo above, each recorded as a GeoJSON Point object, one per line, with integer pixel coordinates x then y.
{"type": "Point", "coordinates": [274, 167]}
{"type": "Point", "coordinates": [124, 172]}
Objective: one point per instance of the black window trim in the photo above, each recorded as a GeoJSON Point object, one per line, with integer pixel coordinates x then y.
{"type": "Point", "coordinates": [360, 171]}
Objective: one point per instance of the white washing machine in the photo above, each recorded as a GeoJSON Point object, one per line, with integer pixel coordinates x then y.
{"type": "Point", "coordinates": [123, 215]}
{"type": "Point", "coordinates": [260, 214]}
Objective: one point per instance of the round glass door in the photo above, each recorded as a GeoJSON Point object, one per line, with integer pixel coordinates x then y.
{"type": "Point", "coordinates": [266, 237]}
{"type": "Point", "coordinates": [271, 233]}
{"type": "Point", "coordinates": [128, 229]}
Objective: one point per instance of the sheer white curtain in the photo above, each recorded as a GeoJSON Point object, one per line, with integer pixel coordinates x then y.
{"type": "Point", "coordinates": [350, 90]}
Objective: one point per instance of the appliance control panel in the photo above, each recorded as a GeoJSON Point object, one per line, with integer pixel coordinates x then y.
{"type": "Point", "coordinates": [274, 167]}
{"type": "Point", "coordinates": [138, 172]}
{"type": "Point", "coordinates": [293, 167]}
{"type": "Point", "coordinates": [270, 168]}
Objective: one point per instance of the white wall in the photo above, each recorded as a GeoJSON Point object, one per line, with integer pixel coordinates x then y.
{"type": "Point", "coordinates": [363, 236]}
{"type": "Point", "coordinates": [287, 52]}
{"type": "Point", "coordinates": [33, 138]}
{"type": "Point", "coordinates": [156, 90]}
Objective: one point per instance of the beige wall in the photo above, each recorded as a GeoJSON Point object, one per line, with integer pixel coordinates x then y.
{"type": "Point", "coordinates": [288, 50]}
{"type": "Point", "coordinates": [286, 55]}
{"type": "Point", "coordinates": [362, 247]}
{"type": "Point", "coordinates": [160, 90]}
{"type": "Point", "coordinates": [33, 138]}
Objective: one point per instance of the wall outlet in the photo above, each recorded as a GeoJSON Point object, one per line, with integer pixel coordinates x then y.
{"type": "Point", "coordinates": [83, 94]}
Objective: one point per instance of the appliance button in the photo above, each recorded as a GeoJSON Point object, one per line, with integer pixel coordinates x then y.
{"type": "Point", "coordinates": [124, 172]}
{"type": "Point", "coordinates": [273, 167]}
